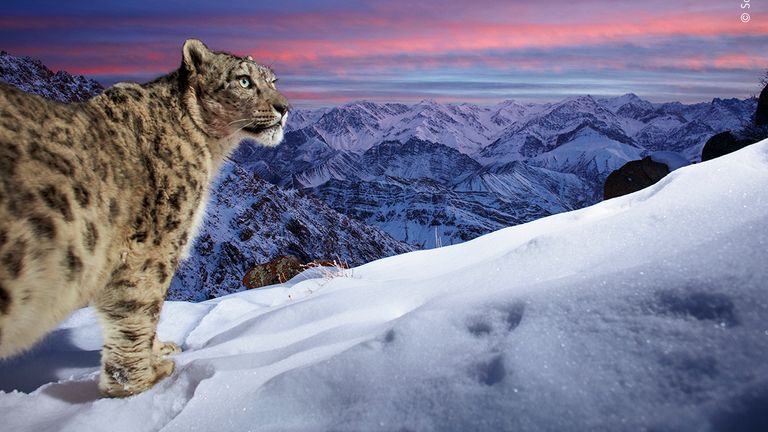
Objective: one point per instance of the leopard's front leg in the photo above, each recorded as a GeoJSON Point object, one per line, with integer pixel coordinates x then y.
{"type": "Point", "coordinates": [132, 357]}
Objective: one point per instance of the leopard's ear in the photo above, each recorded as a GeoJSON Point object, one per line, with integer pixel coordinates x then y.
{"type": "Point", "coordinates": [195, 55]}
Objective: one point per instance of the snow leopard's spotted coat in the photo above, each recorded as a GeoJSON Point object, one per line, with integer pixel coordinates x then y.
{"type": "Point", "coordinates": [99, 200]}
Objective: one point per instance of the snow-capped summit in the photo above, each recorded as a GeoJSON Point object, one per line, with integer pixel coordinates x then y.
{"type": "Point", "coordinates": [616, 102]}
{"type": "Point", "coordinates": [460, 126]}
{"type": "Point", "coordinates": [552, 127]}
{"type": "Point", "coordinates": [356, 126]}
{"type": "Point", "coordinates": [510, 111]}
{"type": "Point", "coordinates": [347, 127]}
{"type": "Point", "coordinates": [632, 108]}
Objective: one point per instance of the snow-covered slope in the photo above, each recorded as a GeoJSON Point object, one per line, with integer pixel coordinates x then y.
{"type": "Point", "coordinates": [356, 126]}
{"type": "Point", "coordinates": [553, 127]}
{"type": "Point", "coordinates": [645, 312]}
{"type": "Point", "coordinates": [527, 185]}
{"type": "Point", "coordinates": [464, 127]}
{"type": "Point", "coordinates": [425, 212]}
{"type": "Point", "coordinates": [250, 221]}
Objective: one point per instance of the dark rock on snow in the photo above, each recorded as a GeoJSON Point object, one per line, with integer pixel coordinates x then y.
{"type": "Point", "coordinates": [761, 114]}
{"type": "Point", "coordinates": [634, 176]}
{"type": "Point", "coordinates": [722, 144]}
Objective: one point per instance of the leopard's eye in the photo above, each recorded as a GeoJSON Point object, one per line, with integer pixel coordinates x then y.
{"type": "Point", "coordinates": [245, 82]}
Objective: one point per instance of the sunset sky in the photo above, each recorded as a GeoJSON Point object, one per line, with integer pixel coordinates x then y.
{"type": "Point", "coordinates": [331, 52]}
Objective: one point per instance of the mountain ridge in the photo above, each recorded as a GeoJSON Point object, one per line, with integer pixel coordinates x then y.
{"type": "Point", "coordinates": [435, 173]}
{"type": "Point", "coordinates": [32, 76]}
{"type": "Point", "coordinates": [575, 143]}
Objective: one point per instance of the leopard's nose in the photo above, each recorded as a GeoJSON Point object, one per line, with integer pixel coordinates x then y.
{"type": "Point", "coordinates": [280, 107]}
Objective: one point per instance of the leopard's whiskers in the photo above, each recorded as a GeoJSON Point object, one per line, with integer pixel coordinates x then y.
{"type": "Point", "coordinates": [240, 128]}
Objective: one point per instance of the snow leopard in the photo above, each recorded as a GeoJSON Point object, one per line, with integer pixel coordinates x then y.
{"type": "Point", "coordinates": [100, 200]}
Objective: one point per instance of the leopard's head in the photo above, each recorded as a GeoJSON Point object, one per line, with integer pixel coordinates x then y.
{"type": "Point", "coordinates": [230, 97]}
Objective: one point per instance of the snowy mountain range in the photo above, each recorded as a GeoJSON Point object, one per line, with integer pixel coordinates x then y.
{"type": "Point", "coordinates": [425, 175]}
{"type": "Point", "coordinates": [434, 173]}
{"type": "Point", "coordinates": [645, 312]}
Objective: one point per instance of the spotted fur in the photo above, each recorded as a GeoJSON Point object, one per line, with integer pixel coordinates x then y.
{"type": "Point", "coordinates": [100, 200]}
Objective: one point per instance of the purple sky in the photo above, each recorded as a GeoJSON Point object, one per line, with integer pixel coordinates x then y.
{"type": "Point", "coordinates": [330, 52]}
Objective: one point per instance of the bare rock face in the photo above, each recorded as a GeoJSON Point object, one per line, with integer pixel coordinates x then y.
{"type": "Point", "coordinates": [634, 176]}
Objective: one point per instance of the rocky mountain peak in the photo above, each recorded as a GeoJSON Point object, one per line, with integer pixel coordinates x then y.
{"type": "Point", "coordinates": [32, 76]}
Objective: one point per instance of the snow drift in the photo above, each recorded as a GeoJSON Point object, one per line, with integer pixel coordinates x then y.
{"type": "Point", "coordinates": [645, 312]}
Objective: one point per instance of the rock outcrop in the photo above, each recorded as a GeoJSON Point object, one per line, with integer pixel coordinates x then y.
{"type": "Point", "coordinates": [284, 268]}
{"type": "Point", "coordinates": [634, 176]}
{"type": "Point", "coordinates": [278, 270]}
{"type": "Point", "coordinates": [761, 114]}
{"type": "Point", "coordinates": [722, 144]}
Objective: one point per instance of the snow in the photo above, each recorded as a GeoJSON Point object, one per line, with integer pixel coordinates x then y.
{"type": "Point", "coordinates": [645, 312]}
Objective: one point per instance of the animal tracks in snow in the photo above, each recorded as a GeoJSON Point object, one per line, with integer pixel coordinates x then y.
{"type": "Point", "coordinates": [501, 320]}
{"type": "Point", "coordinates": [495, 325]}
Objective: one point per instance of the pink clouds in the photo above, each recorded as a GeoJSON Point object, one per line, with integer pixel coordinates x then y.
{"type": "Point", "coordinates": [424, 41]}
{"type": "Point", "coordinates": [455, 36]}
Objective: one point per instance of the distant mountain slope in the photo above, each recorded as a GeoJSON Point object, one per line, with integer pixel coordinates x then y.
{"type": "Point", "coordinates": [489, 133]}
{"type": "Point", "coordinates": [251, 221]}
{"type": "Point", "coordinates": [32, 76]}
{"type": "Point", "coordinates": [434, 173]}
{"type": "Point", "coordinates": [553, 127]}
